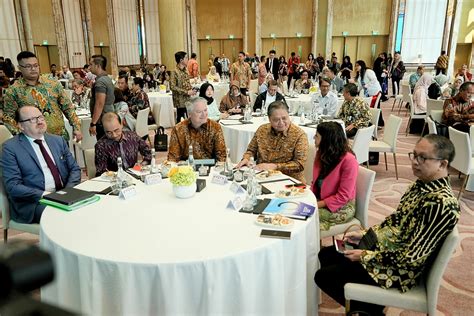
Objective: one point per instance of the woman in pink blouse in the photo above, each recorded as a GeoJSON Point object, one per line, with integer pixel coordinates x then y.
{"type": "Point", "coordinates": [334, 175]}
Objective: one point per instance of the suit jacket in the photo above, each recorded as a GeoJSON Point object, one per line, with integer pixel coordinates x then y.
{"type": "Point", "coordinates": [263, 97]}
{"type": "Point", "coordinates": [24, 178]}
{"type": "Point", "coordinates": [276, 67]}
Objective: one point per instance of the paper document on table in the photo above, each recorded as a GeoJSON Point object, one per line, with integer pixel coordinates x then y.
{"type": "Point", "coordinates": [235, 117]}
{"type": "Point", "coordinates": [230, 122]}
{"type": "Point", "coordinates": [276, 185]}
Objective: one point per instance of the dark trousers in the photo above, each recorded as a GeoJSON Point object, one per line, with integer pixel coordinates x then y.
{"type": "Point", "coordinates": [99, 129]}
{"type": "Point", "coordinates": [351, 133]}
{"type": "Point", "coordinates": [180, 113]}
{"type": "Point", "coordinates": [463, 127]}
{"type": "Point", "coordinates": [394, 90]}
{"type": "Point", "coordinates": [440, 70]}
{"type": "Point", "coordinates": [336, 270]}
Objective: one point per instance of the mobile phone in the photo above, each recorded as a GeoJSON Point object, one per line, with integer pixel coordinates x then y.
{"type": "Point", "coordinates": [296, 185]}
{"type": "Point", "coordinates": [268, 233]}
{"type": "Point", "coordinates": [340, 245]}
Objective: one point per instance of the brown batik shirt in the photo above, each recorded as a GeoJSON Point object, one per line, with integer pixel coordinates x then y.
{"type": "Point", "coordinates": [288, 150]}
{"type": "Point", "coordinates": [207, 141]}
{"type": "Point", "coordinates": [180, 85]}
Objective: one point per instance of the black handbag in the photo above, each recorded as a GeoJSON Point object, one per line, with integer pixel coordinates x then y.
{"type": "Point", "coordinates": [161, 139]}
{"type": "Point", "coordinates": [441, 129]}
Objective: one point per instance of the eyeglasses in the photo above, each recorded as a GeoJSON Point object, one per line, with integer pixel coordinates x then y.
{"type": "Point", "coordinates": [33, 119]}
{"type": "Point", "coordinates": [30, 67]}
{"type": "Point", "coordinates": [114, 132]}
{"type": "Point", "coordinates": [421, 159]}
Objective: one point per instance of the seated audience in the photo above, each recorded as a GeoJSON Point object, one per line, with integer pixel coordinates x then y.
{"type": "Point", "coordinates": [414, 77]}
{"type": "Point", "coordinates": [420, 93]}
{"type": "Point", "coordinates": [66, 74]}
{"type": "Point", "coordinates": [464, 73]}
{"type": "Point", "coordinates": [122, 84]}
{"type": "Point", "coordinates": [207, 92]}
{"type": "Point", "coordinates": [234, 101]}
{"type": "Point", "coordinates": [213, 76]}
{"type": "Point", "coordinates": [198, 130]}
{"type": "Point", "coordinates": [303, 84]}
{"type": "Point", "coordinates": [165, 79]}
{"type": "Point", "coordinates": [336, 83]}
{"type": "Point", "coordinates": [326, 102]}
{"type": "Point", "coordinates": [81, 95]}
{"type": "Point", "coordinates": [264, 86]}
{"type": "Point", "coordinates": [440, 82]}
{"type": "Point", "coordinates": [35, 163]}
{"type": "Point", "coordinates": [122, 110]}
{"type": "Point", "coordinates": [458, 111]}
{"type": "Point", "coordinates": [118, 143]}
{"type": "Point", "coordinates": [268, 96]}
{"type": "Point", "coordinates": [139, 100]}
{"type": "Point", "coordinates": [346, 69]}
{"type": "Point", "coordinates": [407, 240]}
{"type": "Point", "coordinates": [334, 175]}
{"type": "Point", "coordinates": [77, 75]}
{"type": "Point", "coordinates": [354, 111]}
{"type": "Point", "coordinates": [149, 82]}
{"type": "Point", "coordinates": [278, 145]}
{"type": "Point", "coordinates": [453, 88]}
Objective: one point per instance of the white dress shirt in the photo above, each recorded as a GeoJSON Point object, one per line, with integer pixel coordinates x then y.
{"type": "Point", "coordinates": [269, 99]}
{"type": "Point", "coordinates": [49, 184]}
{"type": "Point", "coordinates": [326, 105]}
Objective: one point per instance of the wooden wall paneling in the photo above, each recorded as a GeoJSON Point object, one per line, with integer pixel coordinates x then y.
{"type": "Point", "coordinates": [42, 22]}
{"type": "Point", "coordinates": [104, 51]}
{"type": "Point", "coordinates": [351, 48]}
{"type": "Point", "coordinates": [219, 18]}
{"type": "Point", "coordinates": [172, 37]}
{"type": "Point", "coordinates": [98, 20]}
{"type": "Point", "coordinates": [126, 26]}
{"type": "Point", "coordinates": [278, 44]}
{"type": "Point", "coordinates": [206, 48]}
{"type": "Point", "coordinates": [286, 18]}
{"type": "Point", "coordinates": [74, 33]}
{"type": "Point", "coordinates": [152, 30]}
{"type": "Point", "coordinates": [294, 45]}
{"type": "Point", "coordinates": [10, 39]}
{"type": "Point", "coordinates": [232, 48]}
{"type": "Point", "coordinates": [463, 54]}
{"type": "Point", "coordinates": [365, 50]}
{"type": "Point", "coordinates": [41, 53]}
{"type": "Point", "coordinates": [338, 47]}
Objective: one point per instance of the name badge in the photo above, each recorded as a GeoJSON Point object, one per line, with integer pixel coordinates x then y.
{"type": "Point", "coordinates": [235, 204]}
{"type": "Point", "coordinates": [236, 188]}
{"type": "Point", "coordinates": [127, 192]}
{"type": "Point", "coordinates": [219, 179]}
{"type": "Point", "coordinates": [154, 178]}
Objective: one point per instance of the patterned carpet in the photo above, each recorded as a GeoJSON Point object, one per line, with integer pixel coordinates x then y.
{"type": "Point", "coordinates": [456, 295]}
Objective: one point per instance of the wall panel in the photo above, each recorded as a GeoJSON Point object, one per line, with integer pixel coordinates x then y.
{"type": "Point", "coordinates": [74, 33]}
{"type": "Point", "coordinates": [99, 22]}
{"type": "Point", "coordinates": [42, 23]}
{"type": "Point", "coordinates": [126, 32]}
{"type": "Point", "coordinates": [152, 29]}
{"type": "Point", "coordinates": [277, 44]}
{"type": "Point", "coordinates": [171, 15]}
{"type": "Point", "coordinates": [219, 18]}
{"type": "Point", "coordinates": [9, 37]}
{"type": "Point", "coordinates": [285, 18]}
{"type": "Point", "coordinates": [466, 25]}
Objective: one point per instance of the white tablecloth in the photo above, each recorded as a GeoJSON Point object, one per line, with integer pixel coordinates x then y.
{"type": "Point", "coordinates": [220, 90]}
{"type": "Point", "coordinates": [237, 137]}
{"type": "Point", "coordinates": [304, 100]}
{"type": "Point", "coordinates": [157, 255]}
{"type": "Point", "coordinates": [162, 108]}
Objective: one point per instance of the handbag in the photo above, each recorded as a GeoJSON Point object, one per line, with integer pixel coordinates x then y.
{"type": "Point", "coordinates": [441, 129]}
{"type": "Point", "coordinates": [161, 139]}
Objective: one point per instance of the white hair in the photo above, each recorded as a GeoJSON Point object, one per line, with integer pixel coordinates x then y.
{"type": "Point", "coordinates": [192, 104]}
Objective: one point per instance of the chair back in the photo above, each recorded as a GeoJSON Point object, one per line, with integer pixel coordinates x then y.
{"type": "Point", "coordinates": [361, 143]}
{"type": "Point", "coordinates": [87, 140]}
{"type": "Point", "coordinates": [4, 134]}
{"type": "Point", "coordinates": [89, 157]}
{"type": "Point", "coordinates": [471, 133]}
{"type": "Point", "coordinates": [142, 122]}
{"type": "Point", "coordinates": [406, 93]}
{"type": "Point", "coordinates": [433, 105]}
{"type": "Point", "coordinates": [412, 105]}
{"type": "Point", "coordinates": [462, 159]}
{"type": "Point", "coordinates": [431, 125]}
{"type": "Point", "coordinates": [397, 89]}
{"type": "Point", "coordinates": [253, 97]}
{"type": "Point", "coordinates": [436, 271]}
{"type": "Point", "coordinates": [375, 119]}
{"type": "Point", "coordinates": [308, 167]}
{"type": "Point", "coordinates": [391, 131]}
{"type": "Point", "coordinates": [253, 87]}
{"type": "Point", "coordinates": [364, 184]}
{"type": "Point", "coordinates": [285, 87]}
{"type": "Point", "coordinates": [437, 115]}
{"type": "Point", "coordinates": [367, 100]}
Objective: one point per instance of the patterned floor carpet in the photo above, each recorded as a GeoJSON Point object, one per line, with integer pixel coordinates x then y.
{"type": "Point", "coordinates": [456, 296]}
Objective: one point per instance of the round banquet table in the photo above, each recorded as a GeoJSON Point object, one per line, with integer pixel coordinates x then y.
{"type": "Point", "coordinates": [304, 100]}
{"type": "Point", "coordinates": [220, 90]}
{"type": "Point", "coordinates": [162, 108]}
{"type": "Point", "coordinates": [154, 254]}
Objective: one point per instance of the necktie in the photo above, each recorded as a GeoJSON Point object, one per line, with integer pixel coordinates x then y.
{"type": "Point", "coordinates": [51, 165]}
{"type": "Point", "coordinates": [271, 65]}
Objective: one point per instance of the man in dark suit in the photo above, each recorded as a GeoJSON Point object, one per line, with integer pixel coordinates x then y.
{"type": "Point", "coordinates": [35, 163]}
{"type": "Point", "coordinates": [272, 64]}
{"type": "Point", "coordinates": [268, 96]}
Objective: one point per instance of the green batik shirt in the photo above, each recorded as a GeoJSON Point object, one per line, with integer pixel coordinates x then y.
{"type": "Point", "coordinates": [49, 97]}
{"type": "Point", "coordinates": [355, 112]}
{"type": "Point", "coordinates": [408, 238]}
{"type": "Point", "coordinates": [180, 85]}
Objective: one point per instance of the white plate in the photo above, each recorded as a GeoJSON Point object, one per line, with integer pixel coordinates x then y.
{"type": "Point", "coordinates": [262, 175]}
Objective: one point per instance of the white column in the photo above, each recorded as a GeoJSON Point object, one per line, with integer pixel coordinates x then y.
{"type": "Point", "coordinates": [454, 37]}
{"type": "Point", "coordinates": [314, 27]}
{"type": "Point", "coordinates": [393, 26]}
{"type": "Point", "coordinates": [258, 27]}
{"type": "Point", "coordinates": [109, 6]}
{"type": "Point", "coordinates": [245, 17]}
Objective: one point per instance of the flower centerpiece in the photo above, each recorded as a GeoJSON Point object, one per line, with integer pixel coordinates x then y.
{"type": "Point", "coordinates": [183, 179]}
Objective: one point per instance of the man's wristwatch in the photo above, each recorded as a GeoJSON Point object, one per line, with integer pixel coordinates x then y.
{"type": "Point", "coordinates": [93, 124]}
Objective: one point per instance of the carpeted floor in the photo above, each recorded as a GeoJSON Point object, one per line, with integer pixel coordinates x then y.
{"type": "Point", "coordinates": [456, 296]}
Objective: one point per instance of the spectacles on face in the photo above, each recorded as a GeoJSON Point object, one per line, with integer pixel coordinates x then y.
{"type": "Point", "coordinates": [112, 133]}
{"type": "Point", "coordinates": [29, 66]}
{"type": "Point", "coordinates": [421, 159]}
{"type": "Point", "coordinates": [34, 120]}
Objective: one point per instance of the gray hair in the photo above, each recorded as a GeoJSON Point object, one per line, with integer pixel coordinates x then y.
{"type": "Point", "coordinates": [277, 105]}
{"type": "Point", "coordinates": [191, 104]}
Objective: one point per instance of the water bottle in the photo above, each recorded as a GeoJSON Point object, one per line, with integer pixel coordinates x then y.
{"type": "Point", "coordinates": [153, 168]}
{"type": "Point", "coordinates": [228, 166]}
{"type": "Point", "coordinates": [302, 118]}
{"type": "Point", "coordinates": [191, 157]}
{"type": "Point", "coordinates": [121, 176]}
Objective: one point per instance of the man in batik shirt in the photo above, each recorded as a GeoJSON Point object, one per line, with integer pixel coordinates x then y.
{"type": "Point", "coordinates": [241, 72]}
{"type": "Point", "coordinates": [139, 99]}
{"type": "Point", "coordinates": [46, 94]}
{"type": "Point", "coordinates": [198, 130]}
{"type": "Point", "coordinates": [180, 85]}
{"type": "Point", "coordinates": [458, 111]}
{"type": "Point", "coordinates": [355, 112]}
{"type": "Point", "coordinates": [118, 143]}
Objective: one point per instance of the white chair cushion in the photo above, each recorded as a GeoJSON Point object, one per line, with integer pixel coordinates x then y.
{"type": "Point", "coordinates": [379, 146]}
{"type": "Point", "coordinates": [415, 299]}
{"type": "Point", "coordinates": [340, 228]}
{"type": "Point", "coordinates": [29, 228]}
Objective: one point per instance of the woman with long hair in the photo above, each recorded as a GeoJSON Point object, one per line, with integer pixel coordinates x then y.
{"type": "Point", "coordinates": [346, 68]}
{"type": "Point", "coordinates": [367, 80]}
{"type": "Point", "coordinates": [312, 66]}
{"type": "Point", "coordinates": [334, 175]}
{"type": "Point", "coordinates": [262, 71]}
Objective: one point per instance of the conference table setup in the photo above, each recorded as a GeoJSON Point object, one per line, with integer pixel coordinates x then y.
{"type": "Point", "coordinates": [161, 105]}
{"type": "Point", "coordinates": [304, 101]}
{"type": "Point", "coordinates": [155, 254]}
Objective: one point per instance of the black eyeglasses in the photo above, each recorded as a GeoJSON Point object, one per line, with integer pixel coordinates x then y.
{"type": "Point", "coordinates": [421, 159]}
{"type": "Point", "coordinates": [29, 67]}
{"type": "Point", "coordinates": [33, 119]}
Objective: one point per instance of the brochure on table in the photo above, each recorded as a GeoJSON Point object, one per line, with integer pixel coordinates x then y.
{"type": "Point", "coordinates": [289, 208]}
